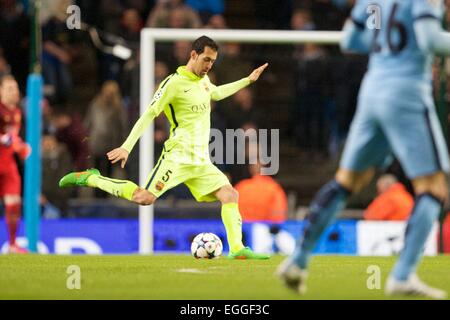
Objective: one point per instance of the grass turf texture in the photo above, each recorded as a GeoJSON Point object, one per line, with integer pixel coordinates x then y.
{"type": "Point", "coordinates": [180, 277]}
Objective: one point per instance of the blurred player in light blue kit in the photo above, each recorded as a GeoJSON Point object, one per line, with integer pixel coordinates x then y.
{"type": "Point", "coordinates": [395, 114]}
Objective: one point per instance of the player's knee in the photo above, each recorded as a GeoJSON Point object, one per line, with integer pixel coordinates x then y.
{"type": "Point", "coordinates": [234, 195]}
{"type": "Point", "coordinates": [143, 197]}
{"type": "Point", "coordinates": [354, 181]}
{"type": "Point", "coordinates": [435, 184]}
{"type": "Point", "coordinates": [12, 199]}
{"type": "Point", "coordinates": [230, 195]}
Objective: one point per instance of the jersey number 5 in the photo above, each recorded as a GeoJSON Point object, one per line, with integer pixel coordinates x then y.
{"type": "Point", "coordinates": [167, 176]}
{"type": "Point", "coordinates": [393, 26]}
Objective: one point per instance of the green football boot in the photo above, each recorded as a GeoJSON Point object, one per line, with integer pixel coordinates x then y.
{"type": "Point", "coordinates": [77, 178]}
{"type": "Point", "coordinates": [247, 253]}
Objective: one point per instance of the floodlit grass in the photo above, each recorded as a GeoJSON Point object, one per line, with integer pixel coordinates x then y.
{"type": "Point", "coordinates": [181, 277]}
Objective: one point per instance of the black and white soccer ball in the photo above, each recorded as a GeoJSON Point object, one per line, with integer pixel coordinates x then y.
{"type": "Point", "coordinates": [206, 245]}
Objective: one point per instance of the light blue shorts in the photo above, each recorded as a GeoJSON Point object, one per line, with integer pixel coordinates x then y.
{"type": "Point", "coordinates": [409, 129]}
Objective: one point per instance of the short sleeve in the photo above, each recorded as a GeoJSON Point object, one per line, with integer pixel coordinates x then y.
{"type": "Point", "coordinates": [428, 9]}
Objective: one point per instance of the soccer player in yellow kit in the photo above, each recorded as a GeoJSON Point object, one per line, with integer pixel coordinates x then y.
{"type": "Point", "coordinates": [185, 98]}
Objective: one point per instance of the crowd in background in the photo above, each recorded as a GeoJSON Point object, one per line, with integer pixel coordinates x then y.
{"type": "Point", "coordinates": [92, 97]}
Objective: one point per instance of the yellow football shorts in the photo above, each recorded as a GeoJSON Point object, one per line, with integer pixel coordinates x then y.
{"type": "Point", "coordinates": [201, 179]}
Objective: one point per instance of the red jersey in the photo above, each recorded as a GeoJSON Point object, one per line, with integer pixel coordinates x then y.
{"type": "Point", "coordinates": [10, 122]}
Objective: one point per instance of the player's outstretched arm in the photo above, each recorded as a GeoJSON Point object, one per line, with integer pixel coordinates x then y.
{"type": "Point", "coordinates": [431, 37]}
{"type": "Point", "coordinates": [118, 154]}
{"type": "Point", "coordinates": [226, 90]}
{"type": "Point", "coordinates": [161, 99]}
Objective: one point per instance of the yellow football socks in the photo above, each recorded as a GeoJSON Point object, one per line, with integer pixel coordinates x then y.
{"type": "Point", "coordinates": [119, 188]}
{"type": "Point", "coordinates": [233, 225]}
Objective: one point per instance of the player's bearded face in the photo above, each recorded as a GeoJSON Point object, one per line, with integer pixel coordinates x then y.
{"type": "Point", "coordinates": [204, 61]}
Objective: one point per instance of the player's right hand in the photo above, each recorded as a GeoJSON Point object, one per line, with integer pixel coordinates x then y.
{"type": "Point", "coordinates": [118, 154]}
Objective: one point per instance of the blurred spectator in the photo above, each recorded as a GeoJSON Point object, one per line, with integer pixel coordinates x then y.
{"type": "Point", "coordinates": [218, 123]}
{"type": "Point", "coordinates": [242, 113]}
{"type": "Point", "coordinates": [181, 52]}
{"type": "Point", "coordinates": [71, 132]}
{"type": "Point", "coordinates": [142, 6]}
{"type": "Point", "coordinates": [273, 14]}
{"type": "Point", "coordinates": [130, 80]}
{"type": "Point", "coordinates": [131, 25]}
{"type": "Point", "coordinates": [342, 4]}
{"type": "Point", "coordinates": [15, 39]}
{"type": "Point", "coordinates": [47, 10]}
{"type": "Point", "coordinates": [129, 31]}
{"type": "Point", "coordinates": [207, 8]}
{"type": "Point", "coordinates": [173, 14]}
{"type": "Point", "coordinates": [106, 124]}
{"type": "Point", "coordinates": [161, 72]}
{"type": "Point", "coordinates": [231, 63]}
{"type": "Point", "coordinates": [216, 21]}
{"type": "Point", "coordinates": [57, 54]}
{"type": "Point", "coordinates": [56, 162]}
{"type": "Point", "coordinates": [328, 14]}
{"type": "Point", "coordinates": [261, 198]}
{"type": "Point", "coordinates": [162, 126]}
{"type": "Point", "coordinates": [302, 20]}
{"type": "Point", "coordinates": [110, 13]}
{"type": "Point", "coordinates": [392, 203]}
{"type": "Point", "coordinates": [47, 123]}
{"type": "Point", "coordinates": [310, 95]}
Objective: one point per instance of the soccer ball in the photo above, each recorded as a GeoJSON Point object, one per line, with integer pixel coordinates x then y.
{"type": "Point", "coordinates": [206, 245]}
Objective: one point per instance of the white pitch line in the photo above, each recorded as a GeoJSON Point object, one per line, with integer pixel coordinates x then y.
{"type": "Point", "coordinates": [190, 271]}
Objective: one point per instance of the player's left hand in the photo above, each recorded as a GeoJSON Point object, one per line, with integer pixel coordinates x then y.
{"type": "Point", "coordinates": [257, 72]}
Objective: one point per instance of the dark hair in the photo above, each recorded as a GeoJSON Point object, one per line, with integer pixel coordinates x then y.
{"type": "Point", "coordinates": [202, 42]}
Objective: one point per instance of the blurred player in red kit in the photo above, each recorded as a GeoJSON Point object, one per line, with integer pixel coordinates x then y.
{"type": "Point", "coordinates": [10, 144]}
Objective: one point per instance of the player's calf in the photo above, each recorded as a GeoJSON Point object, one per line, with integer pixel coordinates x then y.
{"type": "Point", "coordinates": [430, 193]}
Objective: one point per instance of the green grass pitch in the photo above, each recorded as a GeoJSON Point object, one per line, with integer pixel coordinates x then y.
{"type": "Point", "coordinates": [180, 277]}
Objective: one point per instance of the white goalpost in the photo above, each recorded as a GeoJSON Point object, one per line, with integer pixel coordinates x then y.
{"type": "Point", "coordinates": [147, 78]}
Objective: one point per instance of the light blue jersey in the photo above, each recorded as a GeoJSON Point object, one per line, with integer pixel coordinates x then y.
{"type": "Point", "coordinates": [394, 50]}
{"type": "Point", "coordinates": [396, 112]}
